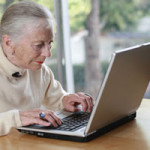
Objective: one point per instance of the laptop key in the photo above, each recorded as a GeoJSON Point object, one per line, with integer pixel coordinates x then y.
{"type": "Point", "coordinates": [70, 123]}
{"type": "Point", "coordinates": [73, 122]}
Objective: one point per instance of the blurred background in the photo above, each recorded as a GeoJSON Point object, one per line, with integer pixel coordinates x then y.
{"type": "Point", "coordinates": [87, 33]}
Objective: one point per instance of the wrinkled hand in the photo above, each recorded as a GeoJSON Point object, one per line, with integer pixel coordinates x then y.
{"type": "Point", "coordinates": [71, 101]}
{"type": "Point", "coordinates": [32, 117]}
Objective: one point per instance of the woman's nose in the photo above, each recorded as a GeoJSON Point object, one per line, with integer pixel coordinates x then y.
{"type": "Point", "coordinates": [46, 51]}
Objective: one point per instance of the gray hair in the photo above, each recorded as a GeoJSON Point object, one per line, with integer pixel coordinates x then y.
{"type": "Point", "coordinates": [20, 14]}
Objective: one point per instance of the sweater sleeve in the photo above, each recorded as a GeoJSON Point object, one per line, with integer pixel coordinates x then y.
{"type": "Point", "coordinates": [8, 120]}
{"type": "Point", "coordinates": [54, 94]}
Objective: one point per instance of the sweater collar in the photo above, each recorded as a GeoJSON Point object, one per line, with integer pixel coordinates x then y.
{"type": "Point", "coordinates": [9, 68]}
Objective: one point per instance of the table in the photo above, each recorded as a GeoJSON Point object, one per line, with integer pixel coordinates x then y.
{"type": "Point", "coordinates": [134, 135]}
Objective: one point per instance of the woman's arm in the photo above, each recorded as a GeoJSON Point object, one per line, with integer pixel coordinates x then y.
{"type": "Point", "coordinates": [8, 120]}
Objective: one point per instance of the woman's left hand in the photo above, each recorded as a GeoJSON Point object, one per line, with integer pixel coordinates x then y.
{"type": "Point", "coordinates": [31, 117]}
{"type": "Point", "coordinates": [71, 101]}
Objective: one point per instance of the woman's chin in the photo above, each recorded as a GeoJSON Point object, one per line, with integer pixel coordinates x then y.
{"type": "Point", "coordinates": [35, 67]}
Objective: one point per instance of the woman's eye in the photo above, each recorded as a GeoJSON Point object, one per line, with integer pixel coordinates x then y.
{"type": "Point", "coordinates": [38, 46]}
{"type": "Point", "coordinates": [51, 43]}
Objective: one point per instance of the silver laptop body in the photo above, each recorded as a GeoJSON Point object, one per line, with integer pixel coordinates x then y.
{"type": "Point", "coordinates": [118, 99]}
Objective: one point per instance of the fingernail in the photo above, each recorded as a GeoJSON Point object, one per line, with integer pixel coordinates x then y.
{"type": "Point", "coordinates": [48, 123]}
{"type": "Point", "coordinates": [60, 122]}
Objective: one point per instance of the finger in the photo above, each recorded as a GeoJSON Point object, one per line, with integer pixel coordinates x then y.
{"type": "Point", "coordinates": [90, 105]}
{"type": "Point", "coordinates": [71, 104]}
{"type": "Point", "coordinates": [71, 108]}
{"type": "Point", "coordinates": [89, 101]}
{"type": "Point", "coordinates": [48, 116]}
{"type": "Point", "coordinates": [32, 120]}
{"type": "Point", "coordinates": [92, 102]}
{"type": "Point", "coordinates": [78, 100]}
{"type": "Point", "coordinates": [71, 101]}
{"type": "Point", "coordinates": [57, 119]}
{"type": "Point", "coordinates": [32, 117]}
{"type": "Point", "coordinates": [84, 104]}
{"type": "Point", "coordinates": [40, 122]}
{"type": "Point", "coordinates": [85, 94]}
{"type": "Point", "coordinates": [52, 118]}
{"type": "Point", "coordinates": [88, 95]}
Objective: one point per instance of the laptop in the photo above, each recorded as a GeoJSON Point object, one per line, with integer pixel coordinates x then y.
{"type": "Point", "coordinates": [119, 97]}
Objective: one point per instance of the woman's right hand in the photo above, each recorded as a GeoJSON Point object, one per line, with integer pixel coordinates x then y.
{"type": "Point", "coordinates": [32, 117]}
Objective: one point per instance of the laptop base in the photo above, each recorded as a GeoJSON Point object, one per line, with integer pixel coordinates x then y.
{"type": "Point", "coordinates": [89, 137]}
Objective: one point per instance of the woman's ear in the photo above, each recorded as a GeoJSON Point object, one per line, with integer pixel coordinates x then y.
{"type": "Point", "coordinates": [8, 44]}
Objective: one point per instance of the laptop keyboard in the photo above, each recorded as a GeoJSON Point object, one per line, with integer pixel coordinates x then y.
{"type": "Point", "coordinates": [71, 123]}
{"type": "Point", "coordinates": [74, 122]}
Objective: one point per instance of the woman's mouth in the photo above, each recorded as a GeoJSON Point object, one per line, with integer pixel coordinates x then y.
{"type": "Point", "coordinates": [39, 62]}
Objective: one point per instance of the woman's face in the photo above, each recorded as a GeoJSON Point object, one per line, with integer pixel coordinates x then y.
{"type": "Point", "coordinates": [33, 47]}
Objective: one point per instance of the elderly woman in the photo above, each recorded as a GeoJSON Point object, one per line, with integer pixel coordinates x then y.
{"type": "Point", "coordinates": [26, 36]}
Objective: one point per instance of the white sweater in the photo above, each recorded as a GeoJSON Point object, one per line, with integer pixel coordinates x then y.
{"type": "Point", "coordinates": [32, 90]}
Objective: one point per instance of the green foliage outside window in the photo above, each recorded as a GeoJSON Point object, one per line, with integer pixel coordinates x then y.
{"type": "Point", "coordinates": [115, 15]}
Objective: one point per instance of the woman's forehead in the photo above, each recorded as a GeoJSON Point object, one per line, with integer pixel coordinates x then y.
{"type": "Point", "coordinates": [46, 23]}
{"type": "Point", "coordinates": [42, 32]}
{"type": "Point", "coordinates": [38, 23]}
